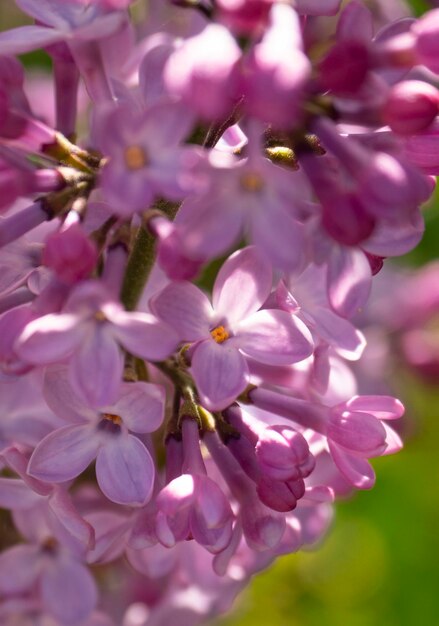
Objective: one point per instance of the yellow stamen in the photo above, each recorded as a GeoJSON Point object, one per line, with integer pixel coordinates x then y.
{"type": "Point", "coordinates": [116, 419]}
{"type": "Point", "coordinates": [100, 317]}
{"type": "Point", "coordinates": [219, 334]}
{"type": "Point", "coordinates": [135, 157]}
{"type": "Point", "coordinates": [252, 182]}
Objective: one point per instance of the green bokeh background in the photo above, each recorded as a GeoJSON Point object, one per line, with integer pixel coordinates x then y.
{"type": "Point", "coordinates": [379, 564]}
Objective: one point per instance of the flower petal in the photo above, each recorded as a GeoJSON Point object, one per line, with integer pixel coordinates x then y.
{"type": "Point", "coordinates": [68, 591]}
{"type": "Point", "coordinates": [64, 454]}
{"type": "Point", "coordinates": [144, 336]}
{"type": "Point", "coordinates": [28, 38]}
{"type": "Point", "coordinates": [382, 407]}
{"type": "Point", "coordinates": [219, 372]}
{"type": "Point", "coordinates": [96, 368]}
{"type": "Point", "coordinates": [242, 285]}
{"type": "Point", "coordinates": [19, 567]}
{"type": "Point", "coordinates": [186, 308]}
{"type": "Point", "coordinates": [357, 471]}
{"type": "Point", "coordinates": [61, 398]}
{"type": "Point", "coordinates": [349, 281]}
{"type": "Point", "coordinates": [274, 337]}
{"type": "Point", "coordinates": [49, 338]}
{"type": "Point", "coordinates": [141, 406]}
{"type": "Point", "coordinates": [125, 471]}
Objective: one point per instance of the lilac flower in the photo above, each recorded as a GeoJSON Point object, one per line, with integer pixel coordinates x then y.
{"type": "Point", "coordinates": [253, 197]}
{"type": "Point", "coordinates": [234, 328]}
{"type": "Point", "coordinates": [124, 467]}
{"type": "Point", "coordinates": [66, 587]}
{"type": "Point", "coordinates": [88, 332]}
{"type": "Point", "coordinates": [144, 157]}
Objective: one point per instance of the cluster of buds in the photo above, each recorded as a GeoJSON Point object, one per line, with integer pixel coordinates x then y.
{"type": "Point", "coordinates": [289, 143]}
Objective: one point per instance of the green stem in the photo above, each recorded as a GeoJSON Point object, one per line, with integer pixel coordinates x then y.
{"type": "Point", "coordinates": [138, 268]}
{"type": "Point", "coordinates": [142, 259]}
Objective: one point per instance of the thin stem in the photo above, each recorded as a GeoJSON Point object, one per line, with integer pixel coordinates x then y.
{"type": "Point", "coordinates": [142, 259]}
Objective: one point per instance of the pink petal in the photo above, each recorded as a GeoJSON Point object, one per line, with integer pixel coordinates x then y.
{"type": "Point", "coordinates": [96, 368]}
{"type": "Point", "coordinates": [186, 308]}
{"type": "Point", "coordinates": [357, 471]}
{"type": "Point", "coordinates": [141, 406]}
{"type": "Point", "coordinates": [382, 407]}
{"type": "Point", "coordinates": [49, 338]}
{"type": "Point", "coordinates": [339, 333]}
{"type": "Point", "coordinates": [125, 471]}
{"type": "Point", "coordinates": [28, 38]}
{"type": "Point", "coordinates": [349, 280]}
{"type": "Point", "coordinates": [242, 285]}
{"type": "Point", "coordinates": [16, 495]}
{"type": "Point", "coordinates": [64, 454]}
{"type": "Point", "coordinates": [61, 398]}
{"type": "Point", "coordinates": [144, 336]}
{"type": "Point", "coordinates": [219, 372]}
{"type": "Point", "coordinates": [19, 568]}
{"type": "Point", "coordinates": [394, 441]}
{"type": "Point", "coordinates": [68, 590]}
{"type": "Point", "coordinates": [72, 530]}
{"type": "Point", "coordinates": [274, 337]}
{"type": "Point", "coordinates": [280, 236]}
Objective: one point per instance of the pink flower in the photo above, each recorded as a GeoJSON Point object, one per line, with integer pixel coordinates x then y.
{"type": "Point", "coordinates": [234, 328]}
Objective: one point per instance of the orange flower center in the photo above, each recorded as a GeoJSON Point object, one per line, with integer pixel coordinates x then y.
{"type": "Point", "coordinates": [219, 334]}
{"type": "Point", "coordinates": [135, 157]}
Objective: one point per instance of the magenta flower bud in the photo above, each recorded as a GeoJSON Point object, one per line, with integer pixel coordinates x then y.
{"type": "Point", "coordinates": [245, 16]}
{"type": "Point", "coordinates": [426, 31]}
{"type": "Point", "coordinates": [411, 107]}
{"type": "Point", "coordinates": [283, 453]}
{"type": "Point", "coordinates": [344, 68]}
{"type": "Point", "coordinates": [359, 433]}
{"type": "Point", "coordinates": [280, 496]}
{"type": "Point", "coordinates": [70, 253]}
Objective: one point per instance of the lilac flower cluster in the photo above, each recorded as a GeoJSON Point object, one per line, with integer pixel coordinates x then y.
{"type": "Point", "coordinates": [291, 141]}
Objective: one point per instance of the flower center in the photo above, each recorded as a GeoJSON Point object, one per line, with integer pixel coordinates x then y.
{"type": "Point", "coordinates": [135, 157]}
{"type": "Point", "coordinates": [252, 182]}
{"type": "Point", "coordinates": [219, 334]}
{"type": "Point", "coordinates": [115, 419]}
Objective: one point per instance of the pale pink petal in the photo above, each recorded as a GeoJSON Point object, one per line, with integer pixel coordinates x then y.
{"type": "Point", "coordinates": [49, 338]}
{"type": "Point", "coordinates": [382, 407]}
{"type": "Point", "coordinates": [28, 38]}
{"type": "Point", "coordinates": [242, 285]}
{"type": "Point", "coordinates": [69, 592]}
{"type": "Point", "coordinates": [96, 368]}
{"type": "Point", "coordinates": [125, 471]}
{"type": "Point", "coordinates": [339, 333]}
{"type": "Point", "coordinates": [357, 471]}
{"type": "Point", "coordinates": [71, 529]}
{"type": "Point", "coordinates": [16, 495]}
{"type": "Point", "coordinates": [394, 441]}
{"type": "Point", "coordinates": [64, 454]}
{"type": "Point", "coordinates": [61, 398]}
{"type": "Point", "coordinates": [141, 406]}
{"type": "Point", "coordinates": [186, 308]}
{"type": "Point", "coordinates": [19, 568]}
{"type": "Point", "coordinates": [274, 337]}
{"type": "Point", "coordinates": [144, 336]}
{"type": "Point", "coordinates": [220, 373]}
{"type": "Point", "coordinates": [349, 281]}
